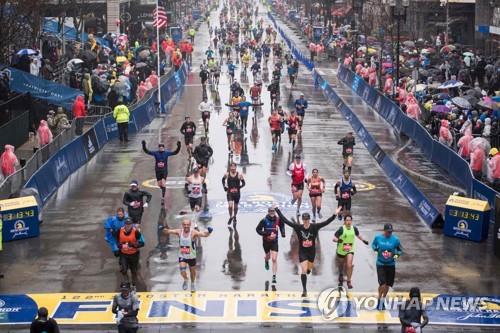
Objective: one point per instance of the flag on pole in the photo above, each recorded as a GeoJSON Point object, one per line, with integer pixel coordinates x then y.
{"type": "Point", "coordinates": [160, 17]}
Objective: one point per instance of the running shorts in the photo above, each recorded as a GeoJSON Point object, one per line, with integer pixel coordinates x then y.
{"type": "Point", "coordinates": [270, 246]}
{"type": "Point", "coordinates": [307, 255]}
{"type": "Point", "coordinates": [386, 274]}
{"type": "Point", "coordinates": [190, 262]}
{"type": "Point", "coordinates": [161, 174]}
{"type": "Point", "coordinates": [233, 197]}
{"type": "Point", "coordinates": [297, 187]}
{"type": "Point", "coordinates": [193, 202]}
{"type": "Point", "coordinates": [188, 139]}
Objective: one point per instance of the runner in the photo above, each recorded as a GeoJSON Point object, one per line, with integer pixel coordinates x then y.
{"type": "Point", "coordinates": [293, 125]}
{"type": "Point", "coordinates": [274, 92]}
{"type": "Point", "coordinates": [344, 237]}
{"type": "Point", "coordinates": [292, 73]}
{"type": "Point", "coordinates": [268, 228]}
{"type": "Point", "coordinates": [232, 183]}
{"type": "Point", "coordinates": [188, 129]}
{"type": "Point", "coordinates": [204, 75]}
{"type": "Point", "coordinates": [243, 107]}
{"type": "Point", "coordinates": [388, 248]}
{"type": "Point", "coordinates": [255, 92]}
{"type": "Point", "coordinates": [187, 250]}
{"type": "Point", "coordinates": [216, 72]}
{"type": "Point", "coordinates": [202, 154]}
{"type": "Point", "coordinates": [230, 69]}
{"type": "Point", "coordinates": [316, 187]}
{"type": "Point", "coordinates": [129, 240]}
{"type": "Point", "coordinates": [205, 108]}
{"type": "Point", "coordinates": [298, 172]}
{"type": "Point", "coordinates": [348, 142]}
{"type": "Point", "coordinates": [282, 115]}
{"type": "Point", "coordinates": [344, 190]}
{"type": "Point", "coordinates": [134, 200]}
{"type": "Point", "coordinates": [161, 164]}
{"type": "Point", "coordinates": [307, 234]}
{"type": "Point", "coordinates": [301, 106]}
{"type": "Point", "coordinates": [275, 124]}
{"type": "Point", "coordinates": [232, 124]}
{"type": "Point", "coordinates": [195, 187]}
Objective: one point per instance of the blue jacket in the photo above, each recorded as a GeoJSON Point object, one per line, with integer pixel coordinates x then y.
{"type": "Point", "coordinates": [244, 106]}
{"type": "Point", "coordinates": [112, 226]}
{"type": "Point", "coordinates": [300, 102]}
{"type": "Point", "coordinates": [386, 248]}
{"type": "Point", "coordinates": [231, 68]}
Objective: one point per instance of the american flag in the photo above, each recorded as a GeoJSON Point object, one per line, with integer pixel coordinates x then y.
{"type": "Point", "coordinates": [160, 17]}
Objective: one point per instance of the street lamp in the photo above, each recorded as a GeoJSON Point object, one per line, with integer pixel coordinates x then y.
{"type": "Point", "coordinates": [398, 8]}
{"type": "Point", "coordinates": [357, 6]}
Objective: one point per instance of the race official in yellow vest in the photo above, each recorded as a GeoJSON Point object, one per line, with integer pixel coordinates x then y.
{"type": "Point", "coordinates": [121, 114]}
{"type": "Point", "coordinates": [345, 239]}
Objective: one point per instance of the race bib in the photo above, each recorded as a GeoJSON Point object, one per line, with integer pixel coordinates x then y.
{"type": "Point", "coordinates": [233, 190]}
{"type": "Point", "coordinates": [160, 164]}
{"type": "Point", "coordinates": [206, 113]}
{"type": "Point", "coordinates": [346, 195]}
{"type": "Point", "coordinates": [189, 130]}
{"type": "Point", "coordinates": [387, 254]}
{"type": "Point", "coordinates": [229, 131]}
{"type": "Point", "coordinates": [348, 150]}
{"type": "Point", "coordinates": [293, 125]}
{"type": "Point", "coordinates": [347, 247]}
{"type": "Point", "coordinates": [294, 188]}
{"type": "Point", "coordinates": [196, 190]}
{"type": "Point", "coordinates": [185, 249]}
{"type": "Point", "coordinates": [307, 243]}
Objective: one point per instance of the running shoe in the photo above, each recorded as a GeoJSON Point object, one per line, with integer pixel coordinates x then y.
{"type": "Point", "coordinates": [266, 265]}
{"type": "Point", "coordinates": [319, 215]}
{"type": "Point", "coordinates": [304, 293]}
{"type": "Point", "coordinates": [293, 201]}
{"type": "Point", "coordinates": [193, 288]}
{"type": "Point", "coordinates": [349, 284]}
{"type": "Point", "coordinates": [185, 285]}
{"type": "Point", "coordinates": [274, 278]}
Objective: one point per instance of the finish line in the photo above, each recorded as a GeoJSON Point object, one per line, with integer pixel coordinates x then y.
{"type": "Point", "coordinates": [228, 307]}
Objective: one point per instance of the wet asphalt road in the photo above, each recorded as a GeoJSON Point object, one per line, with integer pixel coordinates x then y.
{"type": "Point", "coordinates": [71, 254]}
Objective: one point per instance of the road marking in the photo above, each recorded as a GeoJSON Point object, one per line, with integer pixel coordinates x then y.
{"type": "Point", "coordinates": [247, 307]}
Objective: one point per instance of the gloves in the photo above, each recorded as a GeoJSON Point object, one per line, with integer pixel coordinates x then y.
{"type": "Point", "coordinates": [178, 143]}
{"type": "Point", "coordinates": [143, 142]}
{"type": "Point", "coordinates": [210, 229]}
{"type": "Point", "coordinates": [116, 253]}
{"type": "Point", "coordinates": [225, 189]}
{"type": "Point", "coordinates": [365, 241]}
{"type": "Point", "coordinates": [339, 240]}
{"type": "Point", "coordinates": [145, 205]}
{"type": "Point", "coordinates": [161, 227]}
{"type": "Point", "coordinates": [396, 256]}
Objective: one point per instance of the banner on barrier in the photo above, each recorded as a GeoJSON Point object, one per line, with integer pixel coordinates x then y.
{"type": "Point", "coordinates": [90, 143]}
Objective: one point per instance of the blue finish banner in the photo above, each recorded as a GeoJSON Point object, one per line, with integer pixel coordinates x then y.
{"type": "Point", "coordinates": [51, 92]}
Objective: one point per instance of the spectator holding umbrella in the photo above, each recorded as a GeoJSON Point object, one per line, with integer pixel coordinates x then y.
{"type": "Point", "coordinates": [8, 161]}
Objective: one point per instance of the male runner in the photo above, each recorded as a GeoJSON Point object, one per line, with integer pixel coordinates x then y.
{"type": "Point", "coordinates": [232, 183]}
{"type": "Point", "coordinates": [134, 200]}
{"type": "Point", "coordinates": [188, 129]}
{"type": "Point", "coordinates": [129, 240]}
{"type": "Point", "coordinates": [268, 228]}
{"type": "Point", "coordinates": [298, 172]}
{"type": "Point", "coordinates": [275, 124]}
{"type": "Point", "coordinates": [348, 142]}
{"type": "Point", "coordinates": [187, 250]}
{"type": "Point", "coordinates": [307, 234]}
{"type": "Point", "coordinates": [388, 248]}
{"type": "Point", "coordinates": [205, 108]}
{"type": "Point", "coordinates": [161, 164]}
{"type": "Point", "coordinates": [195, 187]}
{"type": "Point", "coordinates": [301, 106]}
{"type": "Point", "coordinates": [202, 154]}
{"type": "Point", "coordinates": [293, 125]}
{"type": "Point", "coordinates": [345, 237]}
{"type": "Point", "coordinates": [344, 190]}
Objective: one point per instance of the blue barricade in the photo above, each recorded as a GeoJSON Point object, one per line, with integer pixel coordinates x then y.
{"type": "Point", "coordinates": [438, 153]}
{"type": "Point", "coordinates": [78, 152]}
{"type": "Point", "coordinates": [417, 199]}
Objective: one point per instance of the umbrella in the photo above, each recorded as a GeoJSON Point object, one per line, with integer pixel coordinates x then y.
{"type": "Point", "coordinates": [447, 48]}
{"type": "Point", "coordinates": [121, 59]}
{"type": "Point", "coordinates": [425, 51]}
{"type": "Point", "coordinates": [440, 109]}
{"type": "Point", "coordinates": [496, 98]}
{"type": "Point", "coordinates": [75, 61]}
{"type": "Point", "coordinates": [88, 56]}
{"type": "Point", "coordinates": [472, 99]}
{"type": "Point", "coordinates": [409, 43]}
{"type": "Point", "coordinates": [485, 105]}
{"type": "Point", "coordinates": [451, 84]}
{"type": "Point", "coordinates": [26, 52]}
{"type": "Point", "coordinates": [144, 54]}
{"type": "Point", "coordinates": [140, 65]}
{"type": "Point", "coordinates": [468, 54]}
{"type": "Point", "coordinates": [461, 102]}
{"type": "Point", "coordinates": [420, 87]}
{"type": "Point", "coordinates": [480, 142]}
{"type": "Point", "coordinates": [474, 92]}
{"type": "Point", "coordinates": [442, 96]}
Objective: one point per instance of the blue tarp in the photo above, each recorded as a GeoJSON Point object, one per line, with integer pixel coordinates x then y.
{"type": "Point", "coordinates": [51, 26]}
{"type": "Point", "coordinates": [51, 92]}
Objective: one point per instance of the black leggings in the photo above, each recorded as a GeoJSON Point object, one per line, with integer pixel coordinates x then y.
{"type": "Point", "coordinates": [244, 121]}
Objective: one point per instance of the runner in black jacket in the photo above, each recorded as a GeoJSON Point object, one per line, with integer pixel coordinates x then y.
{"type": "Point", "coordinates": [307, 234]}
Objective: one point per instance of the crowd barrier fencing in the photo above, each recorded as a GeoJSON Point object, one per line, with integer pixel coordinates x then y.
{"type": "Point", "coordinates": [435, 151]}
{"type": "Point", "coordinates": [423, 206]}
{"type": "Point", "coordinates": [78, 151]}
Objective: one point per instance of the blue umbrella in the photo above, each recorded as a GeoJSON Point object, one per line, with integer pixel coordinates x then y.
{"type": "Point", "coordinates": [451, 84]}
{"type": "Point", "coordinates": [26, 52]}
{"type": "Point", "coordinates": [496, 98]}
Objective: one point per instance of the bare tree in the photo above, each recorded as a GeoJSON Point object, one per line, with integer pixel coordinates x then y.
{"type": "Point", "coordinates": [20, 22]}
